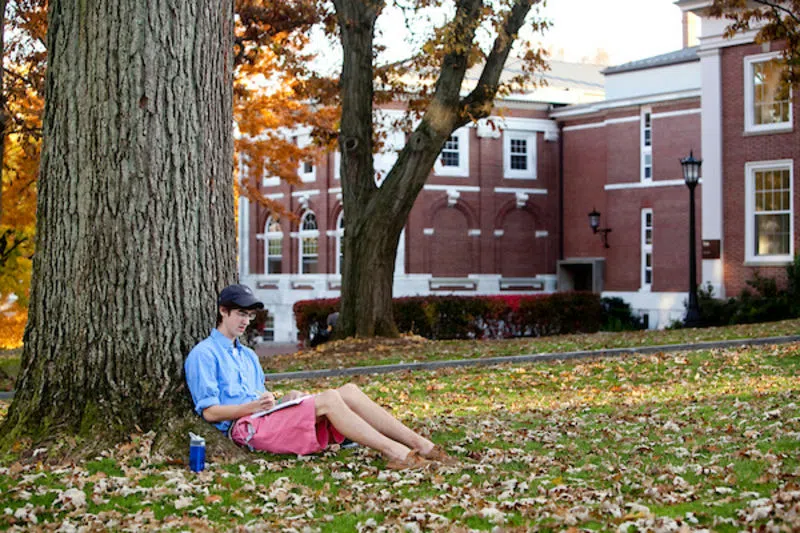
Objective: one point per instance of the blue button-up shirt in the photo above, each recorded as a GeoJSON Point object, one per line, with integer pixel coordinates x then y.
{"type": "Point", "coordinates": [219, 375]}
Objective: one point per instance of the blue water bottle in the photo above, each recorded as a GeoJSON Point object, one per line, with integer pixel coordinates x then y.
{"type": "Point", "coordinates": [197, 453]}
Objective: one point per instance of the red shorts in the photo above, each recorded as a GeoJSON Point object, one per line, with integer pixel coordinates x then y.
{"type": "Point", "coordinates": [291, 430]}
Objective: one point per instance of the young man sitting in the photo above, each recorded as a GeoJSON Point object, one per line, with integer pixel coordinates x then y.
{"type": "Point", "coordinates": [227, 385]}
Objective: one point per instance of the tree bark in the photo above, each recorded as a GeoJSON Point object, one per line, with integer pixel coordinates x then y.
{"type": "Point", "coordinates": [375, 216]}
{"type": "Point", "coordinates": [135, 226]}
{"type": "Point", "coordinates": [3, 100]}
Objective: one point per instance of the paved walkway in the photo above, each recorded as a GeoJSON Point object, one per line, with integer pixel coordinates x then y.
{"type": "Point", "coordinates": [512, 359]}
{"type": "Point", "coordinates": [563, 356]}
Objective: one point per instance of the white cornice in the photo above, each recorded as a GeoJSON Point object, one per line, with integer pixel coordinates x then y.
{"type": "Point", "coordinates": [598, 107]}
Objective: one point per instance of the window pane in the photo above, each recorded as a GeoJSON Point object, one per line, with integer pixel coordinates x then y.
{"type": "Point", "coordinates": [274, 265]}
{"type": "Point", "coordinates": [772, 234]}
{"type": "Point", "coordinates": [275, 247]}
{"type": "Point", "coordinates": [449, 159]}
{"type": "Point", "coordinates": [310, 245]}
{"type": "Point", "coordinates": [648, 236]}
{"type": "Point", "coordinates": [648, 220]}
{"type": "Point", "coordinates": [274, 225]}
{"type": "Point", "coordinates": [309, 265]}
{"type": "Point", "coordinates": [519, 162]}
{"type": "Point", "coordinates": [648, 276]}
{"type": "Point", "coordinates": [770, 93]}
{"type": "Point", "coordinates": [309, 222]}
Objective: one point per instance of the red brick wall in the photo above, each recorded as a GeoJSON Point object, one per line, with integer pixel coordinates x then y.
{"type": "Point", "coordinates": [595, 157]}
{"type": "Point", "coordinates": [738, 149]}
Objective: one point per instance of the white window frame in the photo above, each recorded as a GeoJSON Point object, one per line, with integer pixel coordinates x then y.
{"type": "Point", "coordinates": [530, 143]}
{"type": "Point", "coordinates": [271, 236]}
{"type": "Point", "coordinates": [337, 164]}
{"type": "Point", "coordinates": [304, 233]}
{"type": "Point", "coordinates": [749, 94]}
{"type": "Point", "coordinates": [269, 327]}
{"type": "Point", "coordinates": [647, 250]}
{"type": "Point", "coordinates": [462, 170]}
{"type": "Point", "coordinates": [306, 177]}
{"type": "Point", "coordinates": [339, 233]}
{"type": "Point", "coordinates": [646, 149]}
{"type": "Point", "coordinates": [750, 203]}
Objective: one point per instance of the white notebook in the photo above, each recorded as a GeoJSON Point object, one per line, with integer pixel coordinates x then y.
{"type": "Point", "coordinates": [279, 406]}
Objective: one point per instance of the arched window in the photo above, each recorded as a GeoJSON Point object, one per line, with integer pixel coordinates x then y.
{"type": "Point", "coordinates": [340, 243]}
{"type": "Point", "coordinates": [309, 244]}
{"type": "Point", "coordinates": [273, 246]}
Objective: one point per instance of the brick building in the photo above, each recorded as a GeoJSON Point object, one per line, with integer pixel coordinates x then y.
{"type": "Point", "coordinates": [505, 208]}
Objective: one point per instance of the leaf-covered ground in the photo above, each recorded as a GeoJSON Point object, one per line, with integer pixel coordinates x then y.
{"type": "Point", "coordinates": [364, 352]}
{"type": "Point", "coordinates": [667, 442]}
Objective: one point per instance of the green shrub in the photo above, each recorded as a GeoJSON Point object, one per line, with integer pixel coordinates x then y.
{"type": "Point", "coordinates": [474, 317]}
{"type": "Point", "coordinates": [618, 316]}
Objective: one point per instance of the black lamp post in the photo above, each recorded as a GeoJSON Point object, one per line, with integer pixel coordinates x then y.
{"type": "Point", "coordinates": [691, 175]}
{"type": "Point", "coordinates": [594, 222]}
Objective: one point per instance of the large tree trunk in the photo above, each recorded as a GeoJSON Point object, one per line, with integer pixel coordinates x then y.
{"type": "Point", "coordinates": [3, 101]}
{"type": "Point", "coordinates": [135, 222]}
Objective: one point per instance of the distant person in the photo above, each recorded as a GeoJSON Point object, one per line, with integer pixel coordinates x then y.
{"type": "Point", "coordinates": [227, 385]}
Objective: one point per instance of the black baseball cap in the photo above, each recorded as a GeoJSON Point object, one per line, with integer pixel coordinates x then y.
{"type": "Point", "coordinates": [239, 295]}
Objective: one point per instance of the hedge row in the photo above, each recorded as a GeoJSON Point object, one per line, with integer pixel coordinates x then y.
{"type": "Point", "coordinates": [475, 317]}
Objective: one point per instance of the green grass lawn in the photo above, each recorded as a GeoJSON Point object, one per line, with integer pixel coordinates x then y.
{"type": "Point", "coordinates": [364, 352]}
{"type": "Point", "coordinates": [699, 440]}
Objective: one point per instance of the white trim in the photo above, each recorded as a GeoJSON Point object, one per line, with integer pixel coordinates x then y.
{"type": "Point", "coordinates": [646, 249]}
{"type": "Point", "coordinates": [711, 132]}
{"type": "Point", "coordinates": [473, 233]}
{"type": "Point", "coordinates": [542, 233]}
{"type": "Point", "coordinates": [529, 137]}
{"type": "Point", "coordinates": [427, 231]}
{"type": "Point", "coordinates": [749, 212]}
{"type": "Point", "coordinates": [274, 196]}
{"type": "Point", "coordinates": [597, 107]}
{"type": "Point", "coordinates": [603, 124]}
{"type": "Point", "coordinates": [459, 188]}
{"type": "Point", "coordinates": [309, 192]}
{"type": "Point", "coordinates": [499, 232]}
{"type": "Point", "coordinates": [462, 170]}
{"type": "Point", "coordinates": [334, 190]}
{"type": "Point", "coordinates": [271, 181]}
{"type": "Point", "coordinates": [645, 185]}
{"type": "Point", "coordinates": [526, 124]}
{"type": "Point", "coordinates": [266, 237]}
{"type": "Point", "coordinates": [338, 233]}
{"type": "Point", "coordinates": [680, 113]}
{"type": "Point", "coordinates": [749, 123]}
{"type": "Point", "coordinates": [519, 190]}
{"type": "Point", "coordinates": [244, 232]}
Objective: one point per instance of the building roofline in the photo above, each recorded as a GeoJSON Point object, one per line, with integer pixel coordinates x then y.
{"type": "Point", "coordinates": [597, 107]}
{"type": "Point", "coordinates": [676, 57]}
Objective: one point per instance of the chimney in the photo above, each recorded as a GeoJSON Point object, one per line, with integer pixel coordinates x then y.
{"type": "Point", "coordinates": [691, 29]}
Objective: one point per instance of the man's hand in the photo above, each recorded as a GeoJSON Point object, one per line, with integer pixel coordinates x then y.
{"type": "Point", "coordinates": [292, 395]}
{"type": "Point", "coordinates": [266, 401]}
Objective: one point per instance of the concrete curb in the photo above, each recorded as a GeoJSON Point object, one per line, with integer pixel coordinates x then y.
{"type": "Point", "coordinates": [565, 356]}
{"type": "Point", "coordinates": [454, 363]}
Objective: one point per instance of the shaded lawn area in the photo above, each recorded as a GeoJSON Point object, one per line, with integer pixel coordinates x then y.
{"type": "Point", "coordinates": [367, 352]}
{"type": "Point", "coordinates": [700, 440]}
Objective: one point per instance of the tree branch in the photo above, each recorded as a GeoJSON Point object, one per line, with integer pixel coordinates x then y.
{"type": "Point", "coordinates": [477, 104]}
{"type": "Point", "coordinates": [776, 7]}
{"type": "Point", "coordinates": [454, 63]}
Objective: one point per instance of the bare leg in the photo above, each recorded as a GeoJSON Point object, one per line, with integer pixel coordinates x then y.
{"type": "Point", "coordinates": [331, 405]}
{"type": "Point", "coordinates": [377, 417]}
